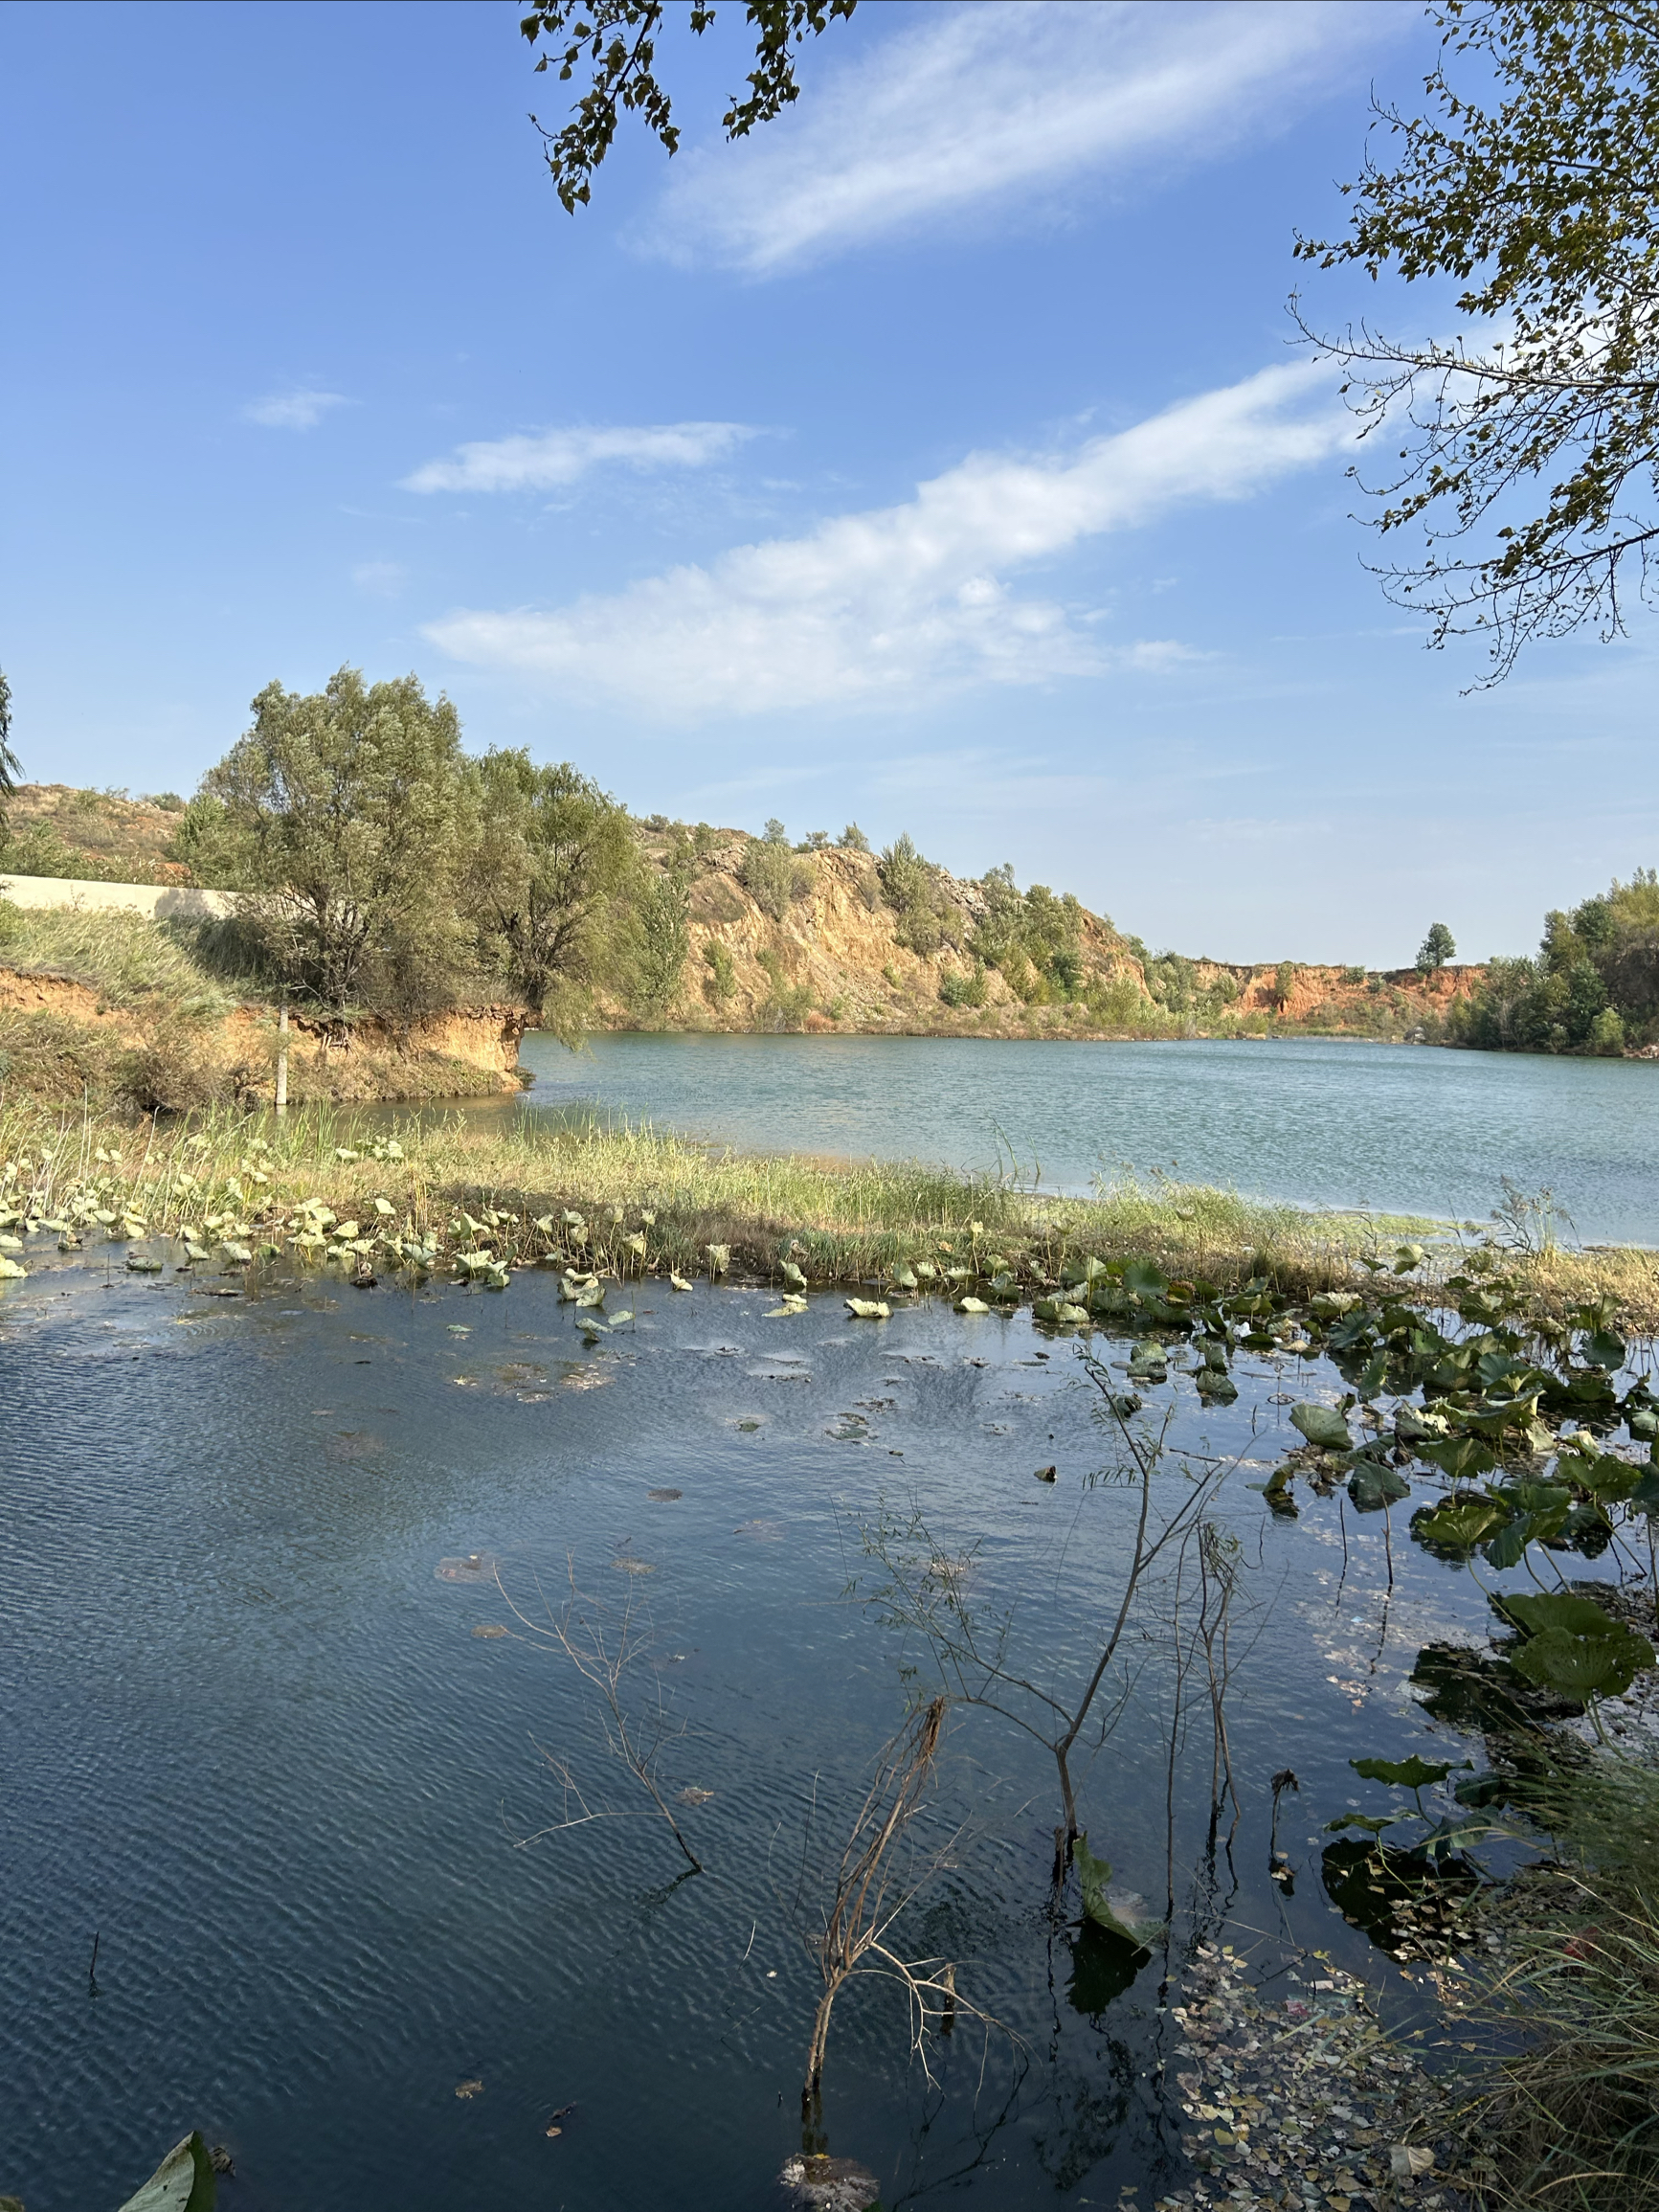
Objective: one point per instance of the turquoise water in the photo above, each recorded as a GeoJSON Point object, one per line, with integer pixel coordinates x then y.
{"type": "Point", "coordinates": [1318, 1122]}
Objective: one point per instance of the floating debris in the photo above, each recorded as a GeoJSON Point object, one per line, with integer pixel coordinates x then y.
{"type": "Point", "coordinates": [761, 1531]}
{"type": "Point", "coordinates": [470, 1566]}
{"type": "Point", "coordinates": [490, 1629]}
{"type": "Point", "coordinates": [820, 2183]}
{"type": "Point", "coordinates": [693, 1795]}
{"type": "Point", "coordinates": [473, 2088]}
{"type": "Point", "coordinates": [634, 1566]}
{"type": "Point", "coordinates": [664, 1497]}
{"type": "Point", "coordinates": [1303, 2103]}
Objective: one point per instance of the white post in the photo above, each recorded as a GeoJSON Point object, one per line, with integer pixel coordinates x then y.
{"type": "Point", "coordinates": [282, 1056]}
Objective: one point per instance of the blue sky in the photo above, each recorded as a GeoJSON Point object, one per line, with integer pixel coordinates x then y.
{"type": "Point", "coordinates": [937, 458]}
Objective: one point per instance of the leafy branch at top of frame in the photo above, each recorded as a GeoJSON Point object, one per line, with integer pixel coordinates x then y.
{"type": "Point", "coordinates": [615, 42]}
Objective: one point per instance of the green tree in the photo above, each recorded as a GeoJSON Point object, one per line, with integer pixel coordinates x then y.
{"type": "Point", "coordinates": [10, 769]}
{"type": "Point", "coordinates": [663, 917]}
{"type": "Point", "coordinates": [1528, 449]}
{"type": "Point", "coordinates": [910, 886]}
{"type": "Point", "coordinates": [613, 42]}
{"type": "Point", "coordinates": [1437, 948]}
{"type": "Point", "coordinates": [552, 860]}
{"type": "Point", "coordinates": [1284, 983]}
{"type": "Point", "coordinates": [771, 873]}
{"type": "Point", "coordinates": [344, 812]}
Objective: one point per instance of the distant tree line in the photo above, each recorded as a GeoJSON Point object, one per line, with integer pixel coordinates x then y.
{"type": "Point", "coordinates": [1593, 985]}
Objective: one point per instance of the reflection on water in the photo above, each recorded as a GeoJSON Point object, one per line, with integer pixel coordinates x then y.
{"type": "Point", "coordinates": [262, 1732]}
{"type": "Point", "coordinates": [1313, 1120]}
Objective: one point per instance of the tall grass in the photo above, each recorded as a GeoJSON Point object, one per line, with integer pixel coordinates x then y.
{"type": "Point", "coordinates": [129, 961]}
{"type": "Point", "coordinates": [844, 1219]}
{"type": "Point", "coordinates": [1571, 2120]}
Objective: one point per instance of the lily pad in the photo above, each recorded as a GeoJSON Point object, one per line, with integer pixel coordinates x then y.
{"type": "Point", "coordinates": [1372, 1487]}
{"type": "Point", "coordinates": [869, 1309]}
{"type": "Point", "coordinates": [183, 2182]}
{"type": "Point", "coordinates": [1118, 1911]}
{"type": "Point", "coordinates": [1413, 1773]}
{"type": "Point", "coordinates": [1322, 1425]}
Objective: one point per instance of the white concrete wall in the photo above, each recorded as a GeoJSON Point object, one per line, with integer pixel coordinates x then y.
{"type": "Point", "coordinates": [155, 901]}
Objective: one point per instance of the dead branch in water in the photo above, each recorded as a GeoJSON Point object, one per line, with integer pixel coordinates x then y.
{"type": "Point", "coordinates": [604, 1662]}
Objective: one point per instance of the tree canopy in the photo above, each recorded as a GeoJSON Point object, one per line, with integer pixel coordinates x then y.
{"type": "Point", "coordinates": [614, 44]}
{"type": "Point", "coordinates": [1526, 448]}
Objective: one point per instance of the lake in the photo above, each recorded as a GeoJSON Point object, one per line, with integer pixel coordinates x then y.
{"type": "Point", "coordinates": [1314, 1121]}
{"type": "Point", "coordinates": [373, 1904]}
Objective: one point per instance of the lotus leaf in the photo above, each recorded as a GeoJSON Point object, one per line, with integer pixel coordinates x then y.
{"type": "Point", "coordinates": [10, 1243]}
{"type": "Point", "coordinates": [10, 1270]}
{"type": "Point", "coordinates": [636, 1243]}
{"type": "Point", "coordinates": [1412, 1423]}
{"type": "Point", "coordinates": [1457, 1524]}
{"type": "Point", "coordinates": [678, 1282]}
{"type": "Point", "coordinates": [718, 1257]}
{"type": "Point", "coordinates": [1372, 1487]}
{"type": "Point", "coordinates": [617, 1319]}
{"type": "Point", "coordinates": [385, 1209]}
{"type": "Point", "coordinates": [971, 1305]}
{"type": "Point", "coordinates": [1323, 1426]}
{"type": "Point", "coordinates": [1462, 1458]}
{"type": "Point", "coordinates": [1645, 1423]}
{"type": "Point", "coordinates": [782, 1313]}
{"type": "Point", "coordinates": [239, 1254]}
{"type": "Point", "coordinates": [793, 1275]}
{"type": "Point", "coordinates": [869, 1309]}
{"type": "Point", "coordinates": [905, 1279]}
{"type": "Point", "coordinates": [183, 2182]}
{"type": "Point", "coordinates": [1148, 1362]}
{"type": "Point", "coordinates": [1123, 1403]}
{"type": "Point", "coordinates": [1601, 1658]}
{"type": "Point", "coordinates": [926, 1270]}
{"type": "Point", "coordinates": [1217, 1384]}
{"type": "Point", "coordinates": [140, 1263]}
{"type": "Point", "coordinates": [1063, 1314]}
{"type": "Point", "coordinates": [1413, 1773]}
{"type": "Point", "coordinates": [1409, 1256]}
{"type": "Point", "coordinates": [1094, 1877]}
{"type": "Point", "coordinates": [1601, 1349]}
{"type": "Point", "coordinates": [1144, 1279]}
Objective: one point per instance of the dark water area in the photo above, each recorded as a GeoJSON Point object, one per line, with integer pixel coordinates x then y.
{"type": "Point", "coordinates": [250, 1736]}
{"type": "Point", "coordinates": [1310, 1120]}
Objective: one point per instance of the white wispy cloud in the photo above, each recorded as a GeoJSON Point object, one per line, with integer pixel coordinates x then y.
{"type": "Point", "coordinates": [986, 106]}
{"type": "Point", "coordinates": [300, 409]}
{"type": "Point", "coordinates": [552, 458]}
{"type": "Point", "coordinates": [380, 579]}
{"type": "Point", "coordinates": [866, 607]}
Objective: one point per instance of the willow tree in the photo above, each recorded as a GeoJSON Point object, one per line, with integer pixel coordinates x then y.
{"type": "Point", "coordinates": [547, 875]}
{"type": "Point", "coordinates": [1524, 448]}
{"type": "Point", "coordinates": [345, 815]}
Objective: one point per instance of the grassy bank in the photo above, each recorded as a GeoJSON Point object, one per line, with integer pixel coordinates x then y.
{"type": "Point", "coordinates": [648, 1202]}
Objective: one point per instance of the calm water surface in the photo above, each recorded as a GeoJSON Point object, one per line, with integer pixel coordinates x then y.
{"type": "Point", "coordinates": [1309, 1119]}
{"type": "Point", "coordinates": [249, 1735]}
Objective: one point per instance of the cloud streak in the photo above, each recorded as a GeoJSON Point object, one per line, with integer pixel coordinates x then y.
{"type": "Point", "coordinates": [980, 106]}
{"type": "Point", "coordinates": [300, 409]}
{"type": "Point", "coordinates": [554, 457]}
{"type": "Point", "coordinates": [867, 607]}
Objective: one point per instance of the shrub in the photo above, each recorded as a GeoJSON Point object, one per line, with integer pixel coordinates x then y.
{"type": "Point", "coordinates": [910, 884]}
{"type": "Point", "coordinates": [959, 990]}
{"type": "Point", "coordinates": [772, 876]}
{"type": "Point", "coordinates": [1606, 1034]}
{"type": "Point", "coordinates": [720, 984]}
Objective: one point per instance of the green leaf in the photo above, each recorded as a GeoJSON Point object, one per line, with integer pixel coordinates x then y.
{"type": "Point", "coordinates": [1457, 1524]}
{"type": "Point", "coordinates": [1372, 1487]}
{"type": "Point", "coordinates": [1413, 1773]}
{"type": "Point", "coordinates": [1216, 1384]}
{"type": "Point", "coordinates": [1322, 1425]}
{"type": "Point", "coordinates": [869, 1309]}
{"type": "Point", "coordinates": [1601, 1349]}
{"type": "Point", "coordinates": [183, 2182]}
{"type": "Point", "coordinates": [971, 1305]}
{"type": "Point", "coordinates": [1144, 1279]}
{"type": "Point", "coordinates": [1583, 1666]}
{"type": "Point", "coordinates": [1094, 1875]}
{"type": "Point", "coordinates": [1462, 1458]}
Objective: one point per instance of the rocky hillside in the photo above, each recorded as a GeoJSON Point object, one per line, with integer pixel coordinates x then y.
{"type": "Point", "coordinates": [824, 937]}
